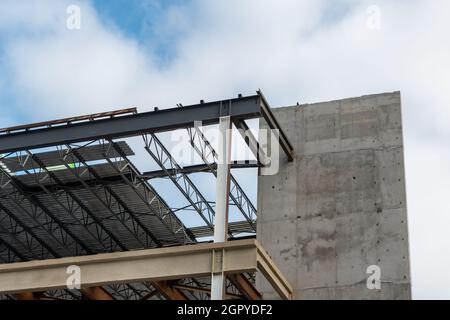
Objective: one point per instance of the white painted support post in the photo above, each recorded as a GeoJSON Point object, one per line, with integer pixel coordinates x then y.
{"type": "Point", "coordinates": [222, 197]}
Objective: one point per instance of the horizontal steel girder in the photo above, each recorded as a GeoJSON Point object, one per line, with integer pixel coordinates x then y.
{"type": "Point", "coordinates": [180, 262]}
{"type": "Point", "coordinates": [130, 125]}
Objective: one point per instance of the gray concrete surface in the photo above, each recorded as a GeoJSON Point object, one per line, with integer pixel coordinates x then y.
{"type": "Point", "coordinates": [341, 205]}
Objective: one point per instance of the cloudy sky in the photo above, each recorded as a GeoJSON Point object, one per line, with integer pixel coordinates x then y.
{"type": "Point", "coordinates": [157, 53]}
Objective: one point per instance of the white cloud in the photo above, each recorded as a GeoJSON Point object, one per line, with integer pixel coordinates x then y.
{"type": "Point", "coordinates": [290, 50]}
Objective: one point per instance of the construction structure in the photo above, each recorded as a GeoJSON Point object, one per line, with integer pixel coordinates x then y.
{"type": "Point", "coordinates": [338, 211]}
{"type": "Point", "coordinates": [72, 199]}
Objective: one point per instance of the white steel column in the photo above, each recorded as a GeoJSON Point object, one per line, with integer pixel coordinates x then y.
{"type": "Point", "coordinates": [222, 197]}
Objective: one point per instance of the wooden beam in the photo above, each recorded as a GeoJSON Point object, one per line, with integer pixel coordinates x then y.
{"type": "Point", "coordinates": [28, 296]}
{"type": "Point", "coordinates": [168, 291]}
{"type": "Point", "coordinates": [228, 295]}
{"type": "Point", "coordinates": [150, 295]}
{"type": "Point", "coordinates": [244, 286]}
{"type": "Point", "coordinates": [97, 293]}
{"type": "Point", "coordinates": [93, 293]}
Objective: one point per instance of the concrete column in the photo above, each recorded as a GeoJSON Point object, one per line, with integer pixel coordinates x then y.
{"type": "Point", "coordinates": [222, 196]}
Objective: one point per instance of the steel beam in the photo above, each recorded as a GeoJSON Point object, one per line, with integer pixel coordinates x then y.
{"type": "Point", "coordinates": [137, 184]}
{"type": "Point", "coordinates": [197, 168]}
{"type": "Point", "coordinates": [31, 247]}
{"type": "Point", "coordinates": [165, 160]}
{"type": "Point", "coordinates": [75, 208]}
{"type": "Point", "coordinates": [209, 156]}
{"type": "Point", "coordinates": [143, 265]}
{"type": "Point", "coordinates": [131, 266]}
{"type": "Point", "coordinates": [70, 120]}
{"type": "Point", "coordinates": [272, 121]}
{"type": "Point", "coordinates": [251, 141]}
{"type": "Point", "coordinates": [44, 219]}
{"type": "Point", "coordinates": [222, 205]}
{"type": "Point", "coordinates": [235, 227]}
{"type": "Point", "coordinates": [273, 274]}
{"type": "Point", "coordinates": [223, 181]}
{"type": "Point", "coordinates": [129, 125]}
{"type": "Point", "coordinates": [39, 214]}
{"type": "Point", "coordinates": [138, 230]}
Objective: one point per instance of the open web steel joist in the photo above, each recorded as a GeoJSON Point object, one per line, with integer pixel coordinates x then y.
{"type": "Point", "coordinates": [68, 188]}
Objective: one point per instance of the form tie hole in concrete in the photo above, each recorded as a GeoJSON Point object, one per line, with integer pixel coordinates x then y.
{"type": "Point", "coordinates": [354, 178]}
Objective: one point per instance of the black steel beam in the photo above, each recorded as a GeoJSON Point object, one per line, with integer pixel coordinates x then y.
{"type": "Point", "coordinates": [129, 125]}
{"type": "Point", "coordinates": [272, 121]}
{"type": "Point", "coordinates": [251, 142]}
{"type": "Point", "coordinates": [196, 168]}
{"type": "Point", "coordinates": [114, 179]}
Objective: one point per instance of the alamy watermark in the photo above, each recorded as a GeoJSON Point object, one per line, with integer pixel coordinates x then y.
{"type": "Point", "coordinates": [73, 21]}
{"type": "Point", "coordinates": [74, 279]}
{"type": "Point", "coordinates": [374, 280]}
{"type": "Point", "coordinates": [373, 21]}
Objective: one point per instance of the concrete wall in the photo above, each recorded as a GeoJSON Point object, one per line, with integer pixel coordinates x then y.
{"type": "Point", "coordinates": [341, 205]}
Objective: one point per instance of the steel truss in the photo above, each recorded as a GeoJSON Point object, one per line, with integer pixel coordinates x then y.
{"type": "Point", "coordinates": [42, 232]}
{"type": "Point", "coordinates": [167, 163]}
{"type": "Point", "coordinates": [147, 194]}
{"type": "Point", "coordinates": [80, 218]}
{"type": "Point", "coordinates": [209, 156]}
{"type": "Point", "coordinates": [43, 219]}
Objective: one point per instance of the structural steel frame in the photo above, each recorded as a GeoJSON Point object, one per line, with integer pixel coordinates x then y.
{"type": "Point", "coordinates": [161, 264]}
{"type": "Point", "coordinates": [22, 242]}
{"type": "Point", "coordinates": [210, 157]}
{"type": "Point", "coordinates": [241, 108]}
